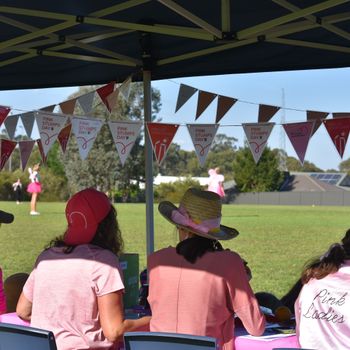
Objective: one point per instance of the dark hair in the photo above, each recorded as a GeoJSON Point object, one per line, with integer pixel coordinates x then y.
{"type": "Point", "coordinates": [292, 295]}
{"type": "Point", "coordinates": [329, 262]}
{"type": "Point", "coordinates": [107, 236]}
{"type": "Point", "coordinates": [194, 247]}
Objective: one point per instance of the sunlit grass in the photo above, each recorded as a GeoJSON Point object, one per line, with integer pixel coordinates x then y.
{"type": "Point", "coordinates": [275, 240]}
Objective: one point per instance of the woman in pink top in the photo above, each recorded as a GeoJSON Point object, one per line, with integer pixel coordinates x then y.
{"type": "Point", "coordinates": [322, 310]}
{"type": "Point", "coordinates": [198, 287]}
{"type": "Point", "coordinates": [76, 287]}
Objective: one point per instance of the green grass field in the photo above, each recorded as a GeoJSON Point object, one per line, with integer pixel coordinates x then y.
{"type": "Point", "coordinates": [275, 240]}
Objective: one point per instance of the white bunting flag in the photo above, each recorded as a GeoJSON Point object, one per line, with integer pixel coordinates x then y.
{"type": "Point", "coordinates": [11, 125]}
{"type": "Point", "coordinates": [124, 89]}
{"type": "Point", "coordinates": [49, 126]}
{"type": "Point", "coordinates": [257, 135]}
{"type": "Point", "coordinates": [202, 136]}
{"type": "Point", "coordinates": [85, 131]}
{"type": "Point", "coordinates": [124, 136]}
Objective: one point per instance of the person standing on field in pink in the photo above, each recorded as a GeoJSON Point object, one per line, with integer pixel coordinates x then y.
{"type": "Point", "coordinates": [34, 187]}
{"type": "Point", "coordinates": [216, 182]}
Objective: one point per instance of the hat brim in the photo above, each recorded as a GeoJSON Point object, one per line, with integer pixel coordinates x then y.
{"type": "Point", "coordinates": [166, 208]}
{"type": "Point", "coordinates": [6, 218]}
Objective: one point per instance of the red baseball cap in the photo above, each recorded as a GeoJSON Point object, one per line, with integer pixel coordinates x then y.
{"type": "Point", "coordinates": [84, 211]}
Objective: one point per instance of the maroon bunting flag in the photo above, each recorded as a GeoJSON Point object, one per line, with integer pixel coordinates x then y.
{"type": "Point", "coordinates": [266, 112]}
{"type": "Point", "coordinates": [104, 92]}
{"type": "Point", "coordinates": [341, 115]}
{"type": "Point", "coordinates": [185, 93]}
{"type": "Point", "coordinates": [4, 111]}
{"type": "Point", "coordinates": [7, 147]}
{"type": "Point", "coordinates": [204, 100]}
{"type": "Point", "coordinates": [41, 150]}
{"type": "Point", "coordinates": [317, 117]}
{"type": "Point", "coordinates": [25, 149]}
{"type": "Point", "coordinates": [338, 130]}
{"type": "Point", "coordinates": [63, 137]}
{"type": "Point", "coordinates": [224, 105]}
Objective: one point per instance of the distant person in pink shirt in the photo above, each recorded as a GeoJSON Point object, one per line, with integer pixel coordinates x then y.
{"type": "Point", "coordinates": [216, 181]}
{"type": "Point", "coordinates": [198, 287]}
{"type": "Point", "coordinates": [5, 218]}
{"type": "Point", "coordinates": [76, 287]}
{"type": "Point", "coordinates": [322, 310]}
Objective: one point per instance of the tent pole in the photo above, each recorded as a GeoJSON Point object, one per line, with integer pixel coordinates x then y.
{"type": "Point", "coordinates": [147, 94]}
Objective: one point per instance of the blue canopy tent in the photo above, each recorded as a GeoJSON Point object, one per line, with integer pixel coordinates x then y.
{"type": "Point", "coordinates": [82, 42]}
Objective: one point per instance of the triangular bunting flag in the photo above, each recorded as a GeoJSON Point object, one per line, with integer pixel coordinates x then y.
{"type": "Point", "coordinates": [299, 135]}
{"type": "Point", "coordinates": [49, 126]}
{"type": "Point", "coordinates": [85, 131]}
{"type": "Point", "coordinates": [124, 136]}
{"type": "Point", "coordinates": [48, 108]}
{"type": "Point", "coordinates": [67, 107]}
{"type": "Point", "coordinates": [111, 100]}
{"type": "Point", "coordinates": [224, 105]}
{"type": "Point", "coordinates": [28, 122]}
{"type": "Point", "coordinates": [317, 117]}
{"type": "Point", "coordinates": [185, 93]}
{"type": "Point", "coordinates": [266, 112]}
{"type": "Point", "coordinates": [257, 135]}
{"type": "Point", "coordinates": [86, 101]}
{"type": "Point", "coordinates": [341, 115]}
{"type": "Point", "coordinates": [338, 130]}
{"type": "Point", "coordinates": [125, 89]}
{"type": "Point", "coordinates": [63, 137]}
{"type": "Point", "coordinates": [161, 136]}
{"type": "Point", "coordinates": [105, 91]}
{"type": "Point", "coordinates": [202, 136]}
{"type": "Point", "coordinates": [25, 150]}
{"type": "Point", "coordinates": [7, 147]}
{"type": "Point", "coordinates": [4, 111]}
{"type": "Point", "coordinates": [204, 100]}
{"type": "Point", "coordinates": [11, 125]}
{"type": "Point", "coordinates": [41, 150]}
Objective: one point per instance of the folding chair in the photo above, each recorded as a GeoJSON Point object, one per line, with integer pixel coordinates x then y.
{"type": "Point", "coordinates": [16, 337]}
{"type": "Point", "coordinates": [168, 341]}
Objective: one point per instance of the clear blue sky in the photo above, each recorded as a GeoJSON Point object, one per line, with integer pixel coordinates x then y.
{"type": "Point", "coordinates": [319, 90]}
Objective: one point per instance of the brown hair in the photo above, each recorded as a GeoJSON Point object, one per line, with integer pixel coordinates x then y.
{"type": "Point", "coordinates": [108, 236]}
{"type": "Point", "coordinates": [329, 262]}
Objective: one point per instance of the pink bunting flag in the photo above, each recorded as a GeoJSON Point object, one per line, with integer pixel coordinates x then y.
{"type": "Point", "coordinates": [124, 136]}
{"type": "Point", "coordinates": [85, 131]}
{"type": "Point", "coordinates": [202, 136]}
{"type": "Point", "coordinates": [257, 135]}
{"type": "Point", "coordinates": [7, 148]}
{"type": "Point", "coordinates": [266, 112]}
{"type": "Point", "coordinates": [204, 100]}
{"type": "Point", "coordinates": [161, 136]}
{"type": "Point", "coordinates": [317, 117]}
{"type": "Point", "coordinates": [185, 93]}
{"type": "Point", "coordinates": [67, 107]}
{"type": "Point", "coordinates": [25, 150]}
{"type": "Point", "coordinates": [299, 135]}
{"type": "Point", "coordinates": [63, 137]}
{"type": "Point", "coordinates": [224, 105]}
{"type": "Point", "coordinates": [104, 92]}
{"type": "Point", "coordinates": [4, 111]}
{"type": "Point", "coordinates": [41, 150]}
{"type": "Point", "coordinates": [111, 100]}
{"type": "Point", "coordinates": [338, 130]}
{"type": "Point", "coordinates": [49, 126]}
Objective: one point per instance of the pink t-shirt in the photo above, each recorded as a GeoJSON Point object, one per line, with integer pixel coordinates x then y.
{"type": "Point", "coordinates": [2, 295]}
{"type": "Point", "coordinates": [322, 312]}
{"type": "Point", "coordinates": [64, 289]}
{"type": "Point", "coordinates": [201, 298]}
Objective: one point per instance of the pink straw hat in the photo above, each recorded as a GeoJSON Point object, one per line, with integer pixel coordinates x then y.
{"type": "Point", "coordinates": [200, 213]}
{"type": "Point", "coordinates": [84, 211]}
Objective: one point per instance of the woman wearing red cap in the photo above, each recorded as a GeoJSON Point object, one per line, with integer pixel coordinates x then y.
{"type": "Point", "coordinates": [76, 288]}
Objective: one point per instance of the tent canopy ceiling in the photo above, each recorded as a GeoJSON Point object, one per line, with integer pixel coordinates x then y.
{"type": "Point", "coordinates": [84, 42]}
